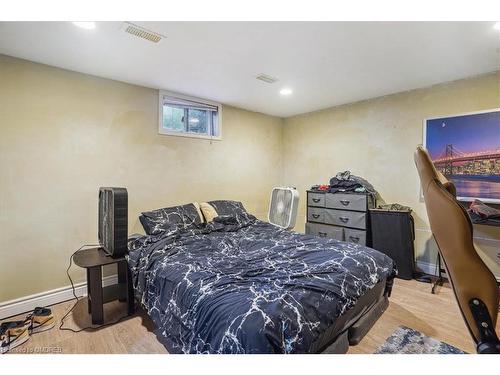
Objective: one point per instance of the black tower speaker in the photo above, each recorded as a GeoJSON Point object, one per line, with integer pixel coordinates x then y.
{"type": "Point", "coordinates": [393, 233]}
{"type": "Point", "coordinates": [113, 220]}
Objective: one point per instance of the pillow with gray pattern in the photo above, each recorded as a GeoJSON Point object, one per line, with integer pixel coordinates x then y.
{"type": "Point", "coordinates": [165, 219]}
{"type": "Point", "coordinates": [228, 208]}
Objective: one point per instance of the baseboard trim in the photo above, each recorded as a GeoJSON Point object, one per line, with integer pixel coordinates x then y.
{"type": "Point", "coordinates": [50, 297]}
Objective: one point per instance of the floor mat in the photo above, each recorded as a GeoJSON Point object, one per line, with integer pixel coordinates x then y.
{"type": "Point", "coordinates": [405, 340]}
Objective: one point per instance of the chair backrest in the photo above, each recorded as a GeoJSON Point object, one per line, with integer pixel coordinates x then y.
{"type": "Point", "coordinates": [470, 278]}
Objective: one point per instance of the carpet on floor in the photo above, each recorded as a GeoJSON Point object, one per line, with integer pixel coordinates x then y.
{"type": "Point", "coordinates": [405, 340]}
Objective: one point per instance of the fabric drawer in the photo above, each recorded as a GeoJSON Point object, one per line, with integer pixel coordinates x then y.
{"type": "Point", "coordinates": [316, 199]}
{"type": "Point", "coordinates": [354, 202]}
{"type": "Point", "coordinates": [356, 236]}
{"type": "Point", "coordinates": [328, 231]}
{"type": "Point", "coordinates": [345, 218]}
{"type": "Point", "coordinates": [316, 214]}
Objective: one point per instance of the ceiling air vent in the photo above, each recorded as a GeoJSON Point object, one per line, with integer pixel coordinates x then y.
{"type": "Point", "coordinates": [266, 78]}
{"type": "Point", "coordinates": [141, 32]}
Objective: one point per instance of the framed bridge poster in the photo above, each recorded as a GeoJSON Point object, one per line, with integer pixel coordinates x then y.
{"type": "Point", "coordinates": [466, 149]}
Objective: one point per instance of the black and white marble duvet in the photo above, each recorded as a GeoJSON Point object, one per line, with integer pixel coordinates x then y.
{"type": "Point", "coordinates": [239, 285]}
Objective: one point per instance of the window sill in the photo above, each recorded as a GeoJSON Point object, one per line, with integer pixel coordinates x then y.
{"type": "Point", "coordinates": [188, 135]}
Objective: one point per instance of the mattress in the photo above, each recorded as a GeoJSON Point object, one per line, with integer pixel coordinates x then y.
{"type": "Point", "coordinates": [240, 285]}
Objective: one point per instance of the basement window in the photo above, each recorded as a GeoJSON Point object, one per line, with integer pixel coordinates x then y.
{"type": "Point", "coordinates": [189, 117]}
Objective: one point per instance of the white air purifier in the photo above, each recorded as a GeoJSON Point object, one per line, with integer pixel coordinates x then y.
{"type": "Point", "coordinates": [283, 207]}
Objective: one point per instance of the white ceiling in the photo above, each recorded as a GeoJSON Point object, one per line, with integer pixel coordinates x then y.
{"type": "Point", "coordinates": [325, 63]}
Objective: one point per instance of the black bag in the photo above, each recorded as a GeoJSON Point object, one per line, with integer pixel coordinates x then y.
{"type": "Point", "coordinates": [393, 233]}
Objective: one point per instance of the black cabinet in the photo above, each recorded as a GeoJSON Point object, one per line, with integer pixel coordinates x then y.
{"type": "Point", "coordinates": [393, 233]}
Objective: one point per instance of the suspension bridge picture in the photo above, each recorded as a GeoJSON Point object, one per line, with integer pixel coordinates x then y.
{"type": "Point", "coordinates": [466, 149]}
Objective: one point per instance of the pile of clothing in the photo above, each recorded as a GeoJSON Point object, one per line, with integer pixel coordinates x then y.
{"type": "Point", "coordinates": [394, 207]}
{"type": "Point", "coordinates": [347, 182]}
{"type": "Point", "coordinates": [480, 213]}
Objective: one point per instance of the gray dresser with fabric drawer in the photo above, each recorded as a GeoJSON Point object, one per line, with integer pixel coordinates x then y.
{"type": "Point", "coordinates": [343, 216]}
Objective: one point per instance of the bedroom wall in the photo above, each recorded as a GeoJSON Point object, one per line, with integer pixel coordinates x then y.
{"type": "Point", "coordinates": [64, 134]}
{"type": "Point", "coordinates": [376, 139]}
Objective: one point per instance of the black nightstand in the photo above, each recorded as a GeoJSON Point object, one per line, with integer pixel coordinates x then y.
{"type": "Point", "coordinates": [93, 260]}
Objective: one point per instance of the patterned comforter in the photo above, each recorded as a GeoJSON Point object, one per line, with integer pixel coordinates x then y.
{"type": "Point", "coordinates": [240, 285]}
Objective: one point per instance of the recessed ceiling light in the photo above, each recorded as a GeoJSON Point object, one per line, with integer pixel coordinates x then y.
{"type": "Point", "coordinates": [496, 26]}
{"type": "Point", "coordinates": [85, 25]}
{"type": "Point", "coordinates": [286, 91]}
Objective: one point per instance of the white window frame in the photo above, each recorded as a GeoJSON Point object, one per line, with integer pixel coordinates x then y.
{"type": "Point", "coordinates": [163, 131]}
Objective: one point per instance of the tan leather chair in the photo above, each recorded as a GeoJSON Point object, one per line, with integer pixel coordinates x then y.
{"type": "Point", "coordinates": [474, 285]}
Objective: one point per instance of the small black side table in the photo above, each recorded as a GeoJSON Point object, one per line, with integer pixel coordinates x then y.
{"type": "Point", "coordinates": [93, 260]}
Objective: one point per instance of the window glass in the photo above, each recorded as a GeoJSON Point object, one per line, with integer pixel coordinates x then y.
{"type": "Point", "coordinates": [173, 118]}
{"type": "Point", "coordinates": [198, 121]}
{"type": "Point", "coordinates": [184, 116]}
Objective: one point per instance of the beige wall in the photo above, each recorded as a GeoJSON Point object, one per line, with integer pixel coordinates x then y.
{"type": "Point", "coordinates": [64, 134]}
{"type": "Point", "coordinates": [376, 139]}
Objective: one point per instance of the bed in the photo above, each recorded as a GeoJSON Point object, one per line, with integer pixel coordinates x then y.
{"type": "Point", "coordinates": [241, 285]}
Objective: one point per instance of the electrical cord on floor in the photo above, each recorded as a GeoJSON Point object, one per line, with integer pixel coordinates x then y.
{"type": "Point", "coordinates": [89, 328]}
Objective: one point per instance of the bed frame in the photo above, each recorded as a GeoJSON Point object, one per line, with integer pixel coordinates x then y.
{"type": "Point", "coordinates": [352, 326]}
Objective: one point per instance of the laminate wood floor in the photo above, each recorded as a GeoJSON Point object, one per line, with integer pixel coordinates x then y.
{"type": "Point", "coordinates": [411, 305]}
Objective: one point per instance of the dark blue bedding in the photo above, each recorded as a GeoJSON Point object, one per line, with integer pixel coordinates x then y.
{"type": "Point", "coordinates": [239, 285]}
